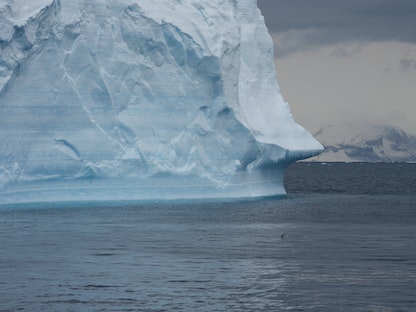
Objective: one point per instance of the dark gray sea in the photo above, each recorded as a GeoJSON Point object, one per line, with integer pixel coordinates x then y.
{"type": "Point", "coordinates": [343, 239]}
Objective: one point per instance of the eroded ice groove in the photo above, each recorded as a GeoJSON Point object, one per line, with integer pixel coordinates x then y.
{"type": "Point", "coordinates": [103, 100]}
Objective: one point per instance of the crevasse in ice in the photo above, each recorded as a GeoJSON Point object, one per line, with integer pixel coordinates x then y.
{"type": "Point", "coordinates": [129, 99]}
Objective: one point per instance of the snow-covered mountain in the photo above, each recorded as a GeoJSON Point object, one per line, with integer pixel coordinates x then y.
{"type": "Point", "coordinates": [349, 143]}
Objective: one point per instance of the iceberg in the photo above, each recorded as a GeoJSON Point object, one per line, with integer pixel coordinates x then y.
{"type": "Point", "coordinates": [141, 100]}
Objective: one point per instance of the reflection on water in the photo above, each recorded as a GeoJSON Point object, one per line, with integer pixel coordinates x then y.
{"type": "Point", "coordinates": [309, 253]}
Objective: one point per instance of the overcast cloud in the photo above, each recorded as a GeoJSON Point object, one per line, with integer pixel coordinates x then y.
{"type": "Point", "coordinates": [305, 24]}
{"type": "Point", "coordinates": [343, 61]}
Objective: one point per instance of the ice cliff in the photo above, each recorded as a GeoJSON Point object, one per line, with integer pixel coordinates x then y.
{"type": "Point", "coordinates": [133, 99]}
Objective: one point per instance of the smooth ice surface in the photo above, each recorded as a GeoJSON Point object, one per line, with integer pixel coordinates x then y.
{"type": "Point", "coordinates": [141, 100]}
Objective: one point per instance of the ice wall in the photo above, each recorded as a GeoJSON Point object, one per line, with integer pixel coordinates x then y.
{"type": "Point", "coordinates": [134, 99]}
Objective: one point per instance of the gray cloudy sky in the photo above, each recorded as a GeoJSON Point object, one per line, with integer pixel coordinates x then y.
{"type": "Point", "coordinates": [346, 61]}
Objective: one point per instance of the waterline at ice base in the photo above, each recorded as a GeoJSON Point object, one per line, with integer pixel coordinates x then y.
{"type": "Point", "coordinates": [141, 100]}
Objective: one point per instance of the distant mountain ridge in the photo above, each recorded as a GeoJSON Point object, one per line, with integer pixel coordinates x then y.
{"type": "Point", "coordinates": [365, 144]}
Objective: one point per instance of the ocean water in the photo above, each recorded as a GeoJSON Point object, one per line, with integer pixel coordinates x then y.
{"type": "Point", "coordinates": [343, 239]}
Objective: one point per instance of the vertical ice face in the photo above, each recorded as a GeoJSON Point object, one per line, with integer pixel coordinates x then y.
{"type": "Point", "coordinates": [159, 99]}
